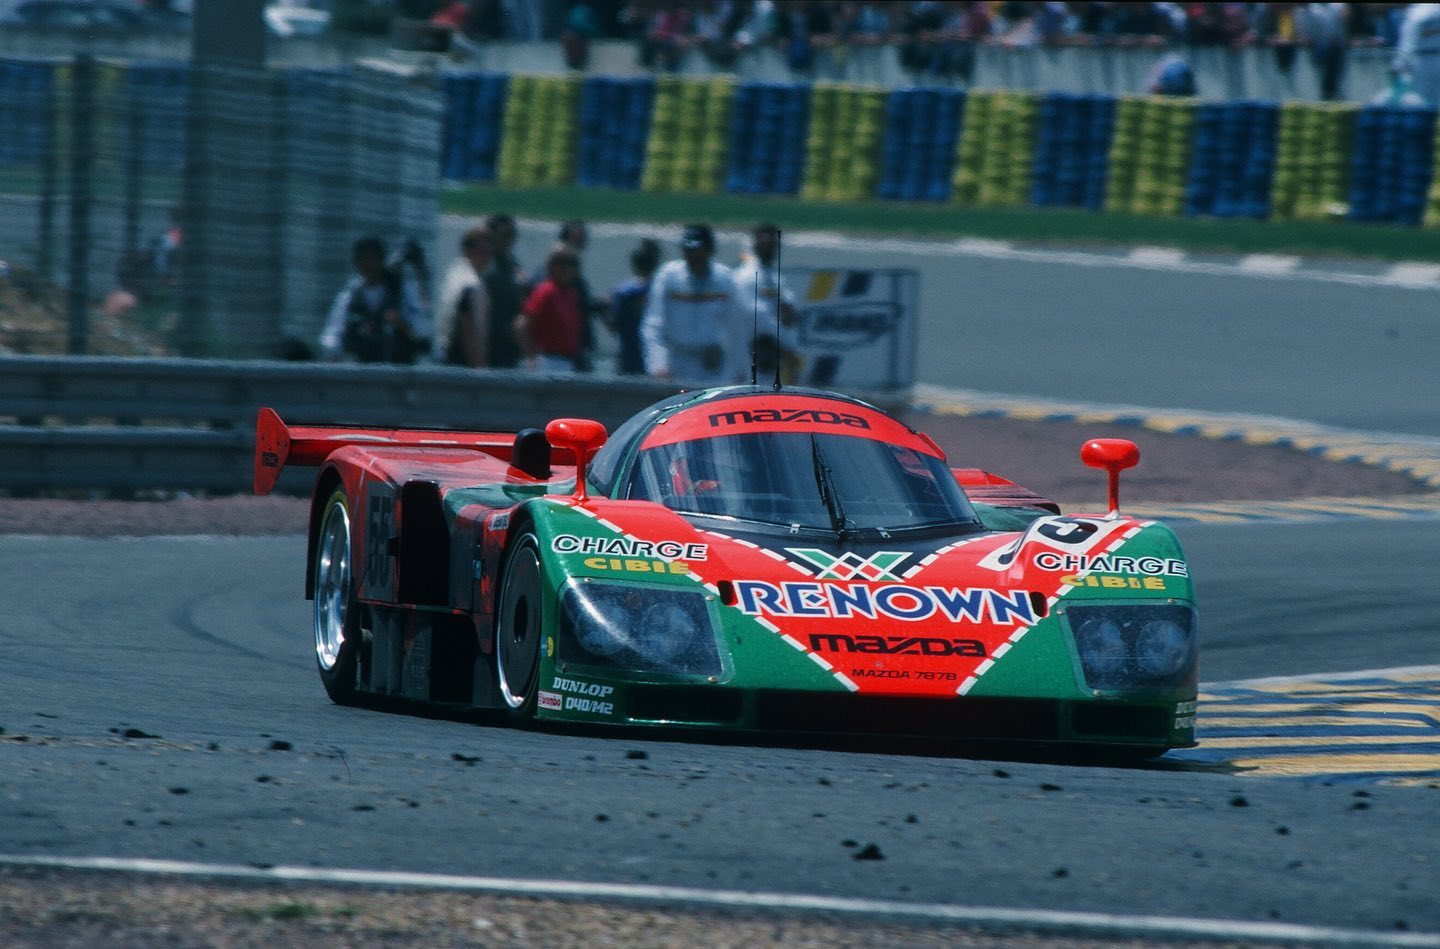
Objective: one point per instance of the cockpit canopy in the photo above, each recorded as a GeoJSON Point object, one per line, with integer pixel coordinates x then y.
{"type": "Point", "coordinates": [800, 462]}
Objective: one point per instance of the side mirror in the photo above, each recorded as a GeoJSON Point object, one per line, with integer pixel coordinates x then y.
{"type": "Point", "coordinates": [1114, 455]}
{"type": "Point", "coordinates": [583, 437]}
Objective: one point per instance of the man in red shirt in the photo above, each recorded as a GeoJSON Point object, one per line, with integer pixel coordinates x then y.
{"type": "Point", "coordinates": [549, 327]}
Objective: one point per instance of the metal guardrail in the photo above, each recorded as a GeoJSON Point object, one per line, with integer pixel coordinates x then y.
{"type": "Point", "coordinates": [120, 424]}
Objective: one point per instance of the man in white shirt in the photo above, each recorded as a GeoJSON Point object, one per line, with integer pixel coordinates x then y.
{"type": "Point", "coordinates": [690, 319]}
{"type": "Point", "coordinates": [767, 309]}
{"type": "Point", "coordinates": [1418, 52]}
{"type": "Point", "coordinates": [462, 321]}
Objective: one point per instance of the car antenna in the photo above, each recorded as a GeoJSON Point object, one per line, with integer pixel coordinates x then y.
{"type": "Point", "coordinates": [755, 323]}
{"type": "Point", "coordinates": [778, 300]}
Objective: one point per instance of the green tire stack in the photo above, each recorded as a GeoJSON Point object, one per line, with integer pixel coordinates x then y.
{"type": "Point", "coordinates": [1150, 156]}
{"type": "Point", "coordinates": [842, 150]}
{"type": "Point", "coordinates": [519, 111]}
{"type": "Point", "coordinates": [689, 136]}
{"type": "Point", "coordinates": [997, 149]}
{"type": "Point", "coordinates": [539, 131]}
{"type": "Point", "coordinates": [1312, 163]}
{"type": "Point", "coordinates": [1432, 201]}
{"type": "Point", "coordinates": [819, 152]}
{"type": "Point", "coordinates": [969, 151]}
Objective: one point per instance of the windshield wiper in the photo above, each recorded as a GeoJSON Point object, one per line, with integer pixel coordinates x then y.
{"type": "Point", "coordinates": [839, 523]}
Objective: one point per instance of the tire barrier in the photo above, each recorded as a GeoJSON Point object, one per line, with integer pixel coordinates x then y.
{"type": "Point", "coordinates": [474, 110]}
{"type": "Point", "coordinates": [997, 147]}
{"type": "Point", "coordinates": [538, 131]}
{"type": "Point", "coordinates": [825, 142]}
{"type": "Point", "coordinates": [919, 145]}
{"type": "Point", "coordinates": [689, 136]}
{"type": "Point", "coordinates": [1312, 166]}
{"type": "Point", "coordinates": [1150, 156]}
{"type": "Point", "coordinates": [1391, 164]}
{"type": "Point", "coordinates": [1072, 150]}
{"type": "Point", "coordinates": [1233, 160]}
{"type": "Point", "coordinates": [846, 123]}
{"type": "Point", "coordinates": [769, 124]}
{"type": "Point", "coordinates": [27, 89]}
{"type": "Point", "coordinates": [614, 128]}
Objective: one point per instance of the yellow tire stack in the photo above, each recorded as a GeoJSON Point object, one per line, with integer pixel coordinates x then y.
{"type": "Point", "coordinates": [997, 149]}
{"type": "Point", "coordinates": [1432, 199]}
{"type": "Point", "coordinates": [689, 136]}
{"type": "Point", "coordinates": [539, 131]}
{"type": "Point", "coordinates": [1312, 164]}
{"type": "Point", "coordinates": [843, 147]}
{"type": "Point", "coordinates": [1150, 156]}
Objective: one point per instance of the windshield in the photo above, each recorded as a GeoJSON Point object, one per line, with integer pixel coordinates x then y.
{"type": "Point", "coordinates": [838, 483]}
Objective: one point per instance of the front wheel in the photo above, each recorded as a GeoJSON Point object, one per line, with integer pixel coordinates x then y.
{"type": "Point", "coordinates": [517, 628]}
{"type": "Point", "coordinates": [336, 619]}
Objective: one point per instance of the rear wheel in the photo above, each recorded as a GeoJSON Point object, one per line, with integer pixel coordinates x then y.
{"type": "Point", "coordinates": [517, 628]}
{"type": "Point", "coordinates": [336, 618]}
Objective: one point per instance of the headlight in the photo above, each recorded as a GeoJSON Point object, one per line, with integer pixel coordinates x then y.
{"type": "Point", "coordinates": [640, 628]}
{"type": "Point", "coordinates": [1134, 647]}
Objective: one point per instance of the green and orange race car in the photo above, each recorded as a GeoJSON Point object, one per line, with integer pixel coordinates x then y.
{"type": "Point", "coordinates": [742, 558]}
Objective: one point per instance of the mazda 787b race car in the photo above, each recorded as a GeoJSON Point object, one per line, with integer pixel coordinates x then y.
{"type": "Point", "coordinates": [740, 558]}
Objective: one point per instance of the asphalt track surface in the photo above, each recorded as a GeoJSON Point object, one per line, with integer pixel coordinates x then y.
{"type": "Point", "coordinates": [198, 649]}
{"type": "Point", "coordinates": [202, 645]}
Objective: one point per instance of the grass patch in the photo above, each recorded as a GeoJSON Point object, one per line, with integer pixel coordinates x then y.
{"type": "Point", "coordinates": [1056, 226]}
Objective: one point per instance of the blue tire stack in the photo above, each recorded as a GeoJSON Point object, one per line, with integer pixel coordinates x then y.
{"type": "Point", "coordinates": [917, 153]}
{"type": "Point", "coordinates": [614, 127]}
{"type": "Point", "coordinates": [26, 90]}
{"type": "Point", "coordinates": [1072, 154]}
{"type": "Point", "coordinates": [1391, 164]}
{"type": "Point", "coordinates": [1232, 164]}
{"type": "Point", "coordinates": [160, 91]}
{"type": "Point", "coordinates": [769, 124]}
{"type": "Point", "coordinates": [474, 107]}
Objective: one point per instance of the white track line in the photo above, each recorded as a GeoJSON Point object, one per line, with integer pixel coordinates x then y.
{"type": "Point", "coordinates": [1054, 921]}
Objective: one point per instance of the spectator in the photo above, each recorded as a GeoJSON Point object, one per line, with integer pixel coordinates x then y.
{"type": "Point", "coordinates": [769, 305]}
{"type": "Point", "coordinates": [549, 327]}
{"type": "Point", "coordinates": [376, 317]}
{"type": "Point", "coordinates": [462, 324]}
{"type": "Point", "coordinates": [581, 27]}
{"type": "Point", "coordinates": [1324, 27]}
{"type": "Point", "coordinates": [502, 284]}
{"type": "Point", "coordinates": [414, 269]}
{"type": "Point", "coordinates": [1172, 76]}
{"type": "Point", "coordinates": [666, 37]}
{"type": "Point", "coordinates": [801, 28]}
{"type": "Point", "coordinates": [691, 314]}
{"type": "Point", "coordinates": [1274, 25]}
{"type": "Point", "coordinates": [575, 237]}
{"type": "Point", "coordinates": [1418, 55]}
{"type": "Point", "coordinates": [627, 308]}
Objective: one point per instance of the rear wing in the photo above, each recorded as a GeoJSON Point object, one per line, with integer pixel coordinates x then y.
{"type": "Point", "coordinates": [992, 489]}
{"type": "Point", "coordinates": [278, 444]}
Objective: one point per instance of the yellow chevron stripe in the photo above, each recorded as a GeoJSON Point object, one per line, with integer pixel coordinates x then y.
{"type": "Point", "coordinates": [1309, 720]}
{"type": "Point", "coordinates": [1307, 765]}
{"type": "Point", "coordinates": [1316, 741]}
{"type": "Point", "coordinates": [1430, 711]}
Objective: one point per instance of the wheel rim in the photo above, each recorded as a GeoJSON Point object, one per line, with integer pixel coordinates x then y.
{"type": "Point", "coordinates": [332, 585]}
{"type": "Point", "coordinates": [517, 638]}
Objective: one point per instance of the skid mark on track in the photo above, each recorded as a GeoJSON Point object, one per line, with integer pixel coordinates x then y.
{"type": "Point", "coordinates": [1382, 725]}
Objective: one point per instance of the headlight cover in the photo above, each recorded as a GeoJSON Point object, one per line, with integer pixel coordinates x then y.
{"type": "Point", "coordinates": [638, 628]}
{"type": "Point", "coordinates": [1135, 647]}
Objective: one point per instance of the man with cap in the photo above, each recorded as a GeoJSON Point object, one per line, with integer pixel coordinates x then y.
{"type": "Point", "coordinates": [692, 314]}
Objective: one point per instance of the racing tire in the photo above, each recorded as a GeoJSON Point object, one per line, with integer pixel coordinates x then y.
{"type": "Point", "coordinates": [336, 616]}
{"type": "Point", "coordinates": [518, 630]}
